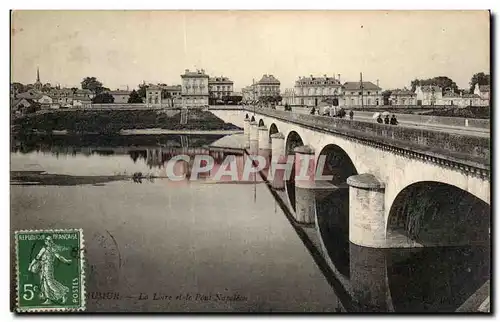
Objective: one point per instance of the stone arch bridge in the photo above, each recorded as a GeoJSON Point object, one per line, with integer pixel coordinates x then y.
{"type": "Point", "coordinates": [398, 187]}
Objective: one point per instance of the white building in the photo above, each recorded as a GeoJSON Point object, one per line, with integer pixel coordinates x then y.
{"type": "Point", "coordinates": [220, 87]}
{"type": "Point", "coordinates": [483, 91]}
{"type": "Point", "coordinates": [194, 88]}
{"type": "Point", "coordinates": [429, 95]}
{"type": "Point", "coordinates": [289, 97]}
{"type": "Point", "coordinates": [267, 86]}
{"type": "Point", "coordinates": [403, 97]}
{"type": "Point", "coordinates": [369, 95]}
{"type": "Point", "coordinates": [310, 91]}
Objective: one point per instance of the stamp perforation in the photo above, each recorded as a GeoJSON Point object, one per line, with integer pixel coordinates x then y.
{"type": "Point", "coordinates": [82, 276]}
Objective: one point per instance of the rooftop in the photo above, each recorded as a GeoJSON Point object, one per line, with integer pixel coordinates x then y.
{"type": "Point", "coordinates": [221, 79]}
{"type": "Point", "coordinates": [319, 80]}
{"type": "Point", "coordinates": [430, 88]}
{"type": "Point", "coordinates": [30, 94]}
{"type": "Point", "coordinates": [197, 73]}
{"type": "Point", "coordinates": [350, 86]}
{"type": "Point", "coordinates": [268, 79]}
{"type": "Point", "coordinates": [484, 88]}
{"type": "Point", "coordinates": [402, 92]}
{"type": "Point", "coordinates": [119, 92]}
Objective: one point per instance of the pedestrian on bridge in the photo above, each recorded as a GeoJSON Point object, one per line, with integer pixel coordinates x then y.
{"type": "Point", "coordinates": [351, 114]}
{"type": "Point", "coordinates": [394, 121]}
{"type": "Point", "coordinates": [379, 120]}
{"type": "Point", "coordinates": [386, 119]}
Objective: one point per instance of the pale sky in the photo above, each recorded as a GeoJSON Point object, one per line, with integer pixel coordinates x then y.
{"type": "Point", "coordinates": [123, 48]}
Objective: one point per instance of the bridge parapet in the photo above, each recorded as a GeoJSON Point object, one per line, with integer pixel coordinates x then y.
{"type": "Point", "coordinates": [458, 149]}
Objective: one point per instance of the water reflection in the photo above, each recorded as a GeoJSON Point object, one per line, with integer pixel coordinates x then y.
{"type": "Point", "coordinates": [424, 279]}
{"type": "Point", "coordinates": [432, 279]}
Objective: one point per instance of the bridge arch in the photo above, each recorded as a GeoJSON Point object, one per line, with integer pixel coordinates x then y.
{"type": "Point", "coordinates": [293, 140]}
{"type": "Point", "coordinates": [273, 129]}
{"type": "Point", "coordinates": [432, 213]}
{"type": "Point", "coordinates": [452, 225]}
{"type": "Point", "coordinates": [332, 207]}
{"type": "Point", "coordinates": [261, 122]}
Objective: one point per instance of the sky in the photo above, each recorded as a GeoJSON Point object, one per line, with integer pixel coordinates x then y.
{"type": "Point", "coordinates": [124, 48]}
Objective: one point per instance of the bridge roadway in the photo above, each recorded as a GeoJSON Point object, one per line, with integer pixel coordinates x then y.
{"type": "Point", "coordinates": [366, 116]}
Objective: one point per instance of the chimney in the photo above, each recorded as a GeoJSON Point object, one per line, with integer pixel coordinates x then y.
{"type": "Point", "coordinates": [202, 71]}
{"type": "Point", "coordinates": [377, 83]}
{"type": "Point", "coordinates": [339, 77]}
{"type": "Point", "coordinates": [186, 71]}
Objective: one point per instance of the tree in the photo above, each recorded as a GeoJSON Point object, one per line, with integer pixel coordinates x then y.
{"type": "Point", "coordinates": [46, 87]}
{"type": "Point", "coordinates": [442, 81]}
{"type": "Point", "coordinates": [91, 83]}
{"type": "Point", "coordinates": [134, 97]}
{"type": "Point", "coordinates": [74, 89]}
{"type": "Point", "coordinates": [18, 88]}
{"type": "Point", "coordinates": [103, 98]}
{"type": "Point", "coordinates": [168, 96]}
{"type": "Point", "coordinates": [385, 96]}
{"type": "Point", "coordinates": [142, 90]}
{"type": "Point", "coordinates": [479, 78]}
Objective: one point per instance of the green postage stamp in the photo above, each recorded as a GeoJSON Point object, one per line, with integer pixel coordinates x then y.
{"type": "Point", "coordinates": [50, 270]}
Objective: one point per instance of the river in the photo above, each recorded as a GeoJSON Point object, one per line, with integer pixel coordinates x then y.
{"type": "Point", "coordinates": [193, 246]}
{"type": "Point", "coordinates": [163, 238]}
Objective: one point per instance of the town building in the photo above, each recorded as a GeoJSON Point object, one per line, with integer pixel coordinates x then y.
{"type": "Point", "coordinates": [249, 94]}
{"type": "Point", "coordinates": [403, 97]}
{"type": "Point", "coordinates": [473, 99]}
{"type": "Point", "coordinates": [23, 105]}
{"type": "Point", "coordinates": [153, 96]}
{"type": "Point", "coordinates": [450, 98]}
{"type": "Point", "coordinates": [354, 95]}
{"type": "Point", "coordinates": [120, 96]}
{"type": "Point", "coordinates": [267, 86]}
{"type": "Point", "coordinates": [31, 94]}
{"type": "Point", "coordinates": [483, 91]}
{"type": "Point", "coordinates": [220, 87]}
{"type": "Point", "coordinates": [429, 95]}
{"type": "Point", "coordinates": [163, 95]}
{"type": "Point", "coordinates": [289, 97]}
{"type": "Point", "coordinates": [38, 84]}
{"type": "Point", "coordinates": [194, 88]}
{"type": "Point", "coordinates": [310, 91]}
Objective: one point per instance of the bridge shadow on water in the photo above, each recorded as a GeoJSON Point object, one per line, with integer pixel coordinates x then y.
{"type": "Point", "coordinates": [409, 280]}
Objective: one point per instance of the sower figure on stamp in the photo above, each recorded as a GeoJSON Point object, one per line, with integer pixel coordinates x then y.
{"type": "Point", "coordinates": [50, 289]}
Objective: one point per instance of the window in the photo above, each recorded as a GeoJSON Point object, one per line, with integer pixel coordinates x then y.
{"type": "Point", "coordinates": [368, 93]}
{"type": "Point", "coordinates": [156, 100]}
{"type": "Point", "coordinates": [150, 100]}
{"type": "Point", "coordinates": [360, 93]}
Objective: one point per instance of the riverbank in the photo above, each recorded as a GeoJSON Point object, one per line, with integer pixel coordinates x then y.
{"type": "Point", "coordinates": [157, 131]}
{"type": "Point", "coordinates": [115, 121]}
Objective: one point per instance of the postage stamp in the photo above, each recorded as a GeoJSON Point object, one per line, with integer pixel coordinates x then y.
{"type": "Point", "coordinates": [50, 270]}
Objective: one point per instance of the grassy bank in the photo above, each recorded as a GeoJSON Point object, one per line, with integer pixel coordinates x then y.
{"type": "Point", "coordinates": [472, 112]}
{"type": "Point", "coordinates": [26, 142]}
{"type": "Point", "coordinates": [467, 112]}
{"type": "Point", "coordinates": [113, 121]}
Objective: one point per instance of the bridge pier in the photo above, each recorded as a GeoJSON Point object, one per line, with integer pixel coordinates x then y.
{"type": "Point", "coordinates": [246, 130]}
{"type": "Point", "coordinates": [369, 280]}
{"type": "Point", "coordinates": [253, 138]}
{"type": "Point", "coordinates": [264, 148]}
{"type": "Point", "coordinates": [278, 157]}
{"type": "Point", "coordinates": [305, 199]}
{"type": "Point", "coordinates": [366, 211]}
